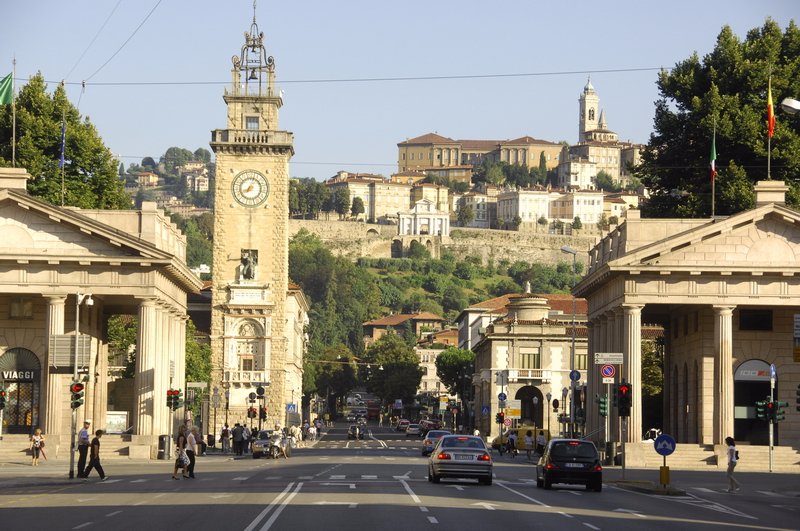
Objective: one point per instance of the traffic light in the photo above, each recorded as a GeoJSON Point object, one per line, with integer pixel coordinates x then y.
{"type": "Point", "coordinates": [615, 396]}
{"type": "Point", "coordinates": [501, 418]}
{"type": "Point", "coordinates": [761, 410]}
{"type": "Point", "coordinates": [177, 399]}
{"type": "Point", "coordinates": [3, 398]}
{"type": "Point", "coordinates": [262, 413]}
{"type": "Point", "coordinates": [170, 400]}
{"type": "Point", "coordinates": [603, 401]}
{"type": "Point", "coordinates": [771, 411]}
{"type": "Point", "coordinates": [624, 401]}
{"type": "Point", "coordinates": [778, 414]}
{"type": "Point", "coordinates": [251, 412]}
{"type": "Point", "coordinates": [76, 395]}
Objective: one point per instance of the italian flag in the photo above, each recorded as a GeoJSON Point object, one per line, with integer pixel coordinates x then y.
{"type": "Point", "coordinates": [770, 111]}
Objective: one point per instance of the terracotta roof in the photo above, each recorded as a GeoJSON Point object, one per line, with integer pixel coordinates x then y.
{"type": "Point", "coordinates": [556, 301]}
{"type": "Point", "coordinates": [528, 140]}
{"type": "Point", "coordinates": [430, 138]}
{"type": "Point", "coordinates": [479, 144]}
{"type": "Point", "coordinates": [399, 318]}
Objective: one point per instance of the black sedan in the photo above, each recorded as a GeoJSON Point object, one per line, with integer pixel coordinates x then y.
{"type": "Point", "coordinates": [570, 461]}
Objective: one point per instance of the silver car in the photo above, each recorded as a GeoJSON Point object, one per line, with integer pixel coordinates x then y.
{"type": "Point", "coordinates": [460, 456]}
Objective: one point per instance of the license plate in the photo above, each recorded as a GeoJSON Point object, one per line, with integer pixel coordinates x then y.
{"type": "Point", "coordinates": [573, 465]}
{"type": "Point", "coordinates": [464, 457]}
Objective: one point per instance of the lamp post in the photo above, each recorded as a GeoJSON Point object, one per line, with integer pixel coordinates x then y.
{"type": "Point", "coordinates": [227, 401]}
{"type": "Point", "coordinates": [549, 397]}
{"type": "Point", "coordinates": [79, 298]}
{"type": "Point", "coordinates": [535, 404]}
{"type": "Point", "coordinates": [790, 105]}
{"type": "Point", "coordinates": [569, 250]}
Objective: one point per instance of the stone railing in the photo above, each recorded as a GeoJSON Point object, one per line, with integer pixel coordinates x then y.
{"type": "Point", "coordinates": [252, 137]}
{"type": "Point", "coordinates": [245, 377]}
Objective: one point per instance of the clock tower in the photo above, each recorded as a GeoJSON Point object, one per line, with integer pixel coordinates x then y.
{"type": "Point", "coordinates": [251, 249]}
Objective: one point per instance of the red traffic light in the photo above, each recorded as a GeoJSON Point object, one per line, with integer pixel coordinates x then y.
{"type": "Point", "coordinates": [76, 387]}
{"type": "Point", "coordinates": [624, 389]}
{"type": "Point", "coordinates": [3, 393]}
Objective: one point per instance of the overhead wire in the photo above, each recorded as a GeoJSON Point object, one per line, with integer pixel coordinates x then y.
{"type": "Point", "coordinates": [93, 39]}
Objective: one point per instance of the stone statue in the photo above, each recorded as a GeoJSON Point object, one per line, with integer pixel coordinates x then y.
{"type": "Point", "coordinates": [248, 265]}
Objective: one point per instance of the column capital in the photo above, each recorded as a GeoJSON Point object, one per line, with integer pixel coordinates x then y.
{"type": "Point", "coordinates": [146, 301]}
{"type": "Point", "coordinates": [631, 307]}
{"type": "Point", "coordinates": [723, 309]}
{"type": "Point", "coordinates": [56, 298]}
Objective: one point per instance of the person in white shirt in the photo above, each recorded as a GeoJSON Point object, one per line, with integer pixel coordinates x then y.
{"type": "Point", "coordinates": [83, 447]}
{"type": "Point", "coordinates": [191, 450]}
{"type": "Point", "coordinates": [733, 458]}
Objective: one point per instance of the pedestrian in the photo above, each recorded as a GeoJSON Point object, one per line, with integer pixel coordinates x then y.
{"type": "Point", "coordinates": [226, 439]}
{"type": "Point", "coordinates": [94, 457]}
{"type": "Point", "coordinates": [246, 439]}
{"type": "Point", "coordinates": [83, 446]}
{"type": "Point", "coordinates": [512, 443]}
{"type": "Point", "coordinates": [541, 441]}
{"type": "Point", "coordinates": [380, 420]}
{"type": "Point", "coordinates": [528, 443]}
{"type": "Point", "coordinates": [191, 450]}
{"type": "Point", "coordinates": [238, 439]}
{"type": "Point", "coordinates": [37, 446]}
{"type": "Point", "coordinates": [181, 457]}
{"type": "Point", "coordinates": [733, 458]}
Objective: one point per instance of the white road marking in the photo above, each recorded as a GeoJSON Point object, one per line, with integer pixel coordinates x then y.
{"type": "Point", "coordinates": [573, 492]}
{"type": "Point", "coordinates": [696, 501]}
{"type": "Point", "coordinates": [350, 505]}
{"type": "Point", "coordinates": [366, 476]}
{"type": "Point", "coordinates": [534, 500]}
{"type": "Point", "coordinates": [769, 493]}
{"type": "Point", "coordinates": [269, 507]}
{"type": "Point", "coordinates": [241, 478]}
{"type": "Point", "coordinates": [703, 489]}
{"type": "Point", "coordinates": [433, 520]}
{"type": "Point", "coordinates": [457, 487]}
{"type": "Point", "coordinates": [115, 513]}
{"type": "Point", "coordinates": [630, 511]}
{"type": "Point", "coordinates": [82, 525]}
{"type": "Point", "coordinates": [486, 505]}
{"type": "Point", "coordinates": [423, 509]}
{"type": "Point", "coordinates": [337, 476]}
{"type": "Point", "coordinates": [351, 485]}
{"type": "Point", "coordinates": [410, 492]}
{"type": "Point", "coordinates": [565, 514]}
{"type": "Point", "coordinates": [218, 496]}
{"type": "Point", "coordinates": [277, 477]}
{"type": "Point", "coordinates": [305, 477]}
{"type": "Point", "coordinates": [138, 481]}
{"type": "Point", "coordinates": [281, 507]}
{"type": "Point", "coordinates": [590, 526]}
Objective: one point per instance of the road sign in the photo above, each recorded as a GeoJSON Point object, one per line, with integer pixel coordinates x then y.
{"type": "Point", "coordinates": [513, 409]}
{"type": "Point", "coordinates": [485, 410]}
{"type": "Point", "coordinates": [291, 408]}
{"type": "Point", "coordinates": [501, 404]}
{"type": "Point", "coordinates": [398, 403]}
{"type": "Point", "coordinates": [664, 444]}
{"type": "Point", "coordinates": [507, 422]}
{"type": "Point", "coordinates": [608, 380]}
{"type": "Point", "coordinates": [608, 371]}
{"type": "Point", "coordinates": [574, 375]}
{"type": "Point", "coordinates": [614, 358]}
{"type": "Point", "coordinates": [502, 396]}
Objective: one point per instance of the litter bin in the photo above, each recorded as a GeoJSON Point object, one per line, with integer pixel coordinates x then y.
{"type": "Point", "coordinates": [164, 447]}
{"type": "Point", "coordinates": [211, 439]}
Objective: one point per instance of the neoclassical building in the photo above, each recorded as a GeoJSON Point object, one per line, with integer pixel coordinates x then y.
{"type": "Point", "coordinates": [63, 272]}
{"type": "Point", "coordinates": [727, 292]}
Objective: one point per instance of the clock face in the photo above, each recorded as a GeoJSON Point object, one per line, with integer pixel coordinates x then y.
{"type": "Point", "coordinates": [250, 188]}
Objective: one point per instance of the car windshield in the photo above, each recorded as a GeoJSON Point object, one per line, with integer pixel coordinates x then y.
{"type": "Point", "coordinates": [574, 450]}
{"type": "Point", "coordinates": [435, 434]}
{"type": "Point", "coordinates": [264, 434]}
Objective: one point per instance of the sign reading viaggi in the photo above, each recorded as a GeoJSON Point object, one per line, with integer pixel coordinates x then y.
{"type": "Point", "coordinates": [19, 375]}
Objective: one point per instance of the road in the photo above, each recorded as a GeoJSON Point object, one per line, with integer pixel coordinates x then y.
{"type": "Point", "coordinates": [378, 483]}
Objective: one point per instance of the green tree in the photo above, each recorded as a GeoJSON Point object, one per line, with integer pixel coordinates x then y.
{"type": "Point", "coordinates": [398, 373]}
{"type": "Point", "coordinates": [198, 357]}
{"type": "Point", "coordinates": [541, 178]}
{"type": "Point", "coordinates": [542, 222]}
{"type": "Point", "coordinates": [334, 373]}
{"type": "Point", "coordinates": [358, 207]}
{"type": "Point", "coordinates": [725, 91]}
{"type": "Point", "coordinates": [417, 251]}
{"type": "Point", "coordinates": [576, 223]}
{"type": "Point", "coordinates": [605, 181]}
{"type": "Point", "coordinates": [453, 366]}
{"type": "Point", "coordinates": [149, 164]}
{"type": "Point", "coordinates": [465, 215]}
{"type": "Point", "coordinates": [175, 157]}
{"type": "Point", "coordinates": [90, 171]}
{"type": "Point", "coordinates": [516, 222]}
{"type": "Point", "coordinates": [341, 201]}
{"type": "Point", "coordinates": [202, 155]}
{"type": "Point", "coordinates": [122, 332]}
{"type": "Point", "coordinates": [494, 175]}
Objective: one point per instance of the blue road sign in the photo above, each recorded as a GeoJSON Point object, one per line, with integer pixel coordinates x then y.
{"type": "Point", "coordinates": [485, 410]}
{"type": "Point", "coordinates": [574, 375]}
{"type": "Point", "coordinates": [291, 408]}
{"type": "Point", "coordinates": [664, 444]}
{"type": "Point", "coordinates": [608, 371]}
{"type": "Point", "coordinates": [502, 396]}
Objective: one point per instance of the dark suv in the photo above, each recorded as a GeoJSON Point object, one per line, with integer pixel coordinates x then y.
{"type": "Point", "coordinates": [570, 461]}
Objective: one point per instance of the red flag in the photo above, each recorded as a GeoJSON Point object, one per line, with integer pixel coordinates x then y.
{"type": "Point", "coordinates": [770, 111]}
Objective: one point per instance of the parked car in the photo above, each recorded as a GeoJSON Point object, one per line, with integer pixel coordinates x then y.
{"type": "Point", "coordinates": [571, 461]}
{"type": "Point", "coordinates": [355, 432]}
{"type": "Point", "coordinates": [402, 424]}
{"type": "Point", "coordinates": [413, 430]}
{"type": "Point", "coordinates": [427, 425]}
{"type": "Point", "coordinates": [460, 456]}
{"type": "Point", "coordinates": [261, 445]}
{"type": "Point", "coordinates": [430, 440]}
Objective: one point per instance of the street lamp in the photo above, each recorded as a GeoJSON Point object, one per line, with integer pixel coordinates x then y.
{"type": "Point", "coordinates": [569, 250]}
{"type": "Point", "coordinates": [790, 105]}
{"type": "Point", "coordinates": [79, 298]}
{"type": "Point", "coordinates": [227, 401]}
{"type": "Point", "coordinates": [535, 403]}
{"type": "Point", "coordinates": [549, 397]}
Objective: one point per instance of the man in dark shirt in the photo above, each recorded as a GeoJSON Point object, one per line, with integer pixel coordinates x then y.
{"type": "Point", "coordinates": [238, 439]}
{"type": "Point", "coordinates": [94, 457]}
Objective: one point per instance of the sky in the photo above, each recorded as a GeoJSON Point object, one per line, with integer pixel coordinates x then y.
{"type": "Point", "coordinates": [155, 70]}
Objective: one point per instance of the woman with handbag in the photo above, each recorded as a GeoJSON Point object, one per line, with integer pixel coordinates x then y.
{"type": "Point", "coordinates": [181, 459]}
{"type": "Point", "coordinates": [37, 446]}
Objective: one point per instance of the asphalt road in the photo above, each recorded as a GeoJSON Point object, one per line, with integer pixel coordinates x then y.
{"type": "Point", "coordinates": [378, 483]}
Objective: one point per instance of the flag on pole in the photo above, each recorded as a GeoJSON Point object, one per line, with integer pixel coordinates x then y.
{"type": "Point", "coordinates": [770, 111]}
{"type": "Point", "coordinates": [63, 138]}
{"type": "Point", "coordinates": [6, 90]}
{"type": "Point", "coordinates": [713, 156]}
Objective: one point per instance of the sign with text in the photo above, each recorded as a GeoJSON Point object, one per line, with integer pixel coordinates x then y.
{"type": "Point", "coordinates": [513, 409]}
{"type": "Point", "coordinates": [613, 358]}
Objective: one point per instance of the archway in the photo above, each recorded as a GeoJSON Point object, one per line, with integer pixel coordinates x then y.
{"type": "Point", "coordinates": [751, 383]}
{"type": "Point", "coordinates": [21, 372]}
{"type": "Point", "coordinates": [397, 249]}
{"type": "Point", "coordinates": [530, 413]}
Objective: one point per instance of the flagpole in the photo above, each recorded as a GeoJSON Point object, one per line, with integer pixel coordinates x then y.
{"type": "Point", "coordinates": [713, 180]}
{"type": "Point", "coordinates": [770, 127]}
{"type": "Point", "coordinates": [13, 114]}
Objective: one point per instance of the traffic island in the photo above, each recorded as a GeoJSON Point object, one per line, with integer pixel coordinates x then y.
{"type": "Point", "coordinates": [647, 487]}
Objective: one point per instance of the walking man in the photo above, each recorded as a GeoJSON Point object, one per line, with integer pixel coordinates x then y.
{"type": "Point", "coordinates": [226, 439]}
{"type": "Point", "coordinates": [191, 450]}
{"type": "Point", "coordinates": [83, 447]}
{"type": "Point", "coordinates": [733, 458]}
{"type": "Point", "coordinates": [94, 457]}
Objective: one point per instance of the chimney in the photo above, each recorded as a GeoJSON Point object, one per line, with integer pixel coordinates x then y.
{"type": "Point", "coordinates": [14, 178]}
{"type": "Point", "coordinates": [770, 192]}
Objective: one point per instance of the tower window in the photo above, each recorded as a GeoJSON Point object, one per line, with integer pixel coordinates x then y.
{"type": "Point", "coordinates": [251, 123]}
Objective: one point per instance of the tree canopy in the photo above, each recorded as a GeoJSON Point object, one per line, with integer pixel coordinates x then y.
{"type": "Point", "coordinates": [725, 91]}
{"type": "Point", "coordinates": [90, 171]}
{"type": "Point", "coordinates": [452, 366]}
{"type": "Point", "coordinates": [394, 368]}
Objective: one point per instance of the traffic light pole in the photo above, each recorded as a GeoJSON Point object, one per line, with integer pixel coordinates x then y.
{"type": "Point", "coordinates": [771, 421]}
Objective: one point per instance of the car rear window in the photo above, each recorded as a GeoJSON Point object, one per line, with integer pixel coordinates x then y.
{"type": "Point", "coordinates": [574, 450]}
{"type": "Point", "coordinates": [462, 442]}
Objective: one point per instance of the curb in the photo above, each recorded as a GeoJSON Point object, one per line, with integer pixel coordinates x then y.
{"type": "Point", "coordinates": [647, 487]}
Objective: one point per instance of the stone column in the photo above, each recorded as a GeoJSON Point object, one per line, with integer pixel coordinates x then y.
{"type": "Point", "coordinates": [723, 369]}
{"type": "Point", "coordinates": [50, 415]}
{"type": "Point", "coordinates": [593, 386]}
{"type": "Point", "coordinates": [632, 355]}
{"type": "Point", "coordinates": [144, 376]}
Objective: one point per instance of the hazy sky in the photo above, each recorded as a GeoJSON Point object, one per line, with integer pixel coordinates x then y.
{"type": "Point", "coordinates": [164, 86]}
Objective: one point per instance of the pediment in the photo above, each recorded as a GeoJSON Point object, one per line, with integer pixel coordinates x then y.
{"type": "Point", "coordinates": [34, 230]}
{"type": "Point", "coordinates": [764, 238]}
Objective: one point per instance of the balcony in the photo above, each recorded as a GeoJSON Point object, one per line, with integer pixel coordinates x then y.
{"type": "Point", "coordinates": [255, 138]}
{"type": "Point", "coordinates": [245, 378]}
